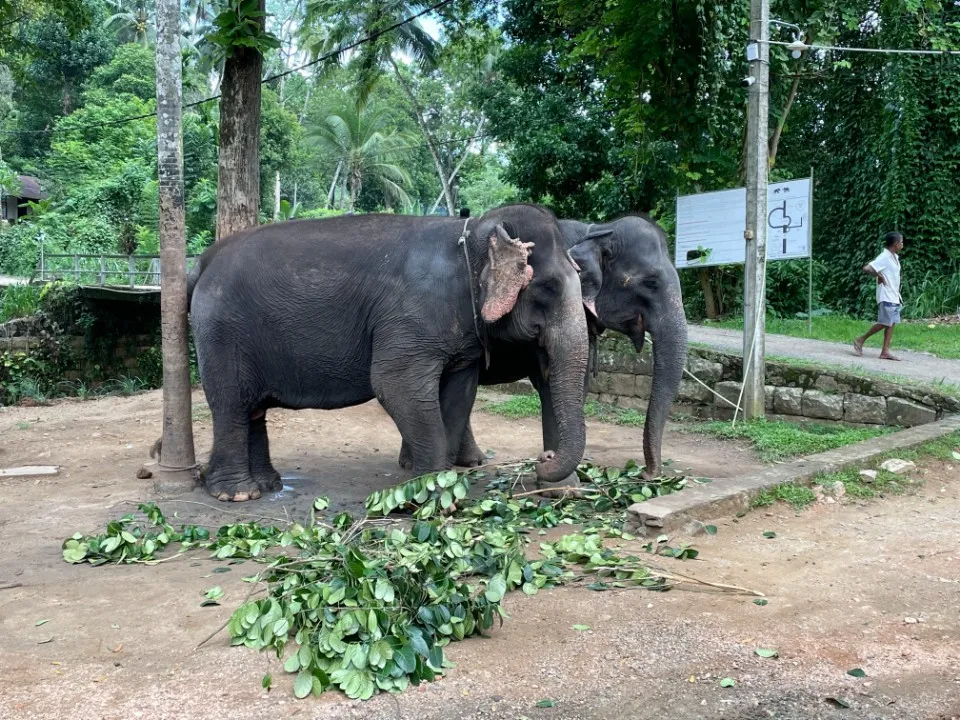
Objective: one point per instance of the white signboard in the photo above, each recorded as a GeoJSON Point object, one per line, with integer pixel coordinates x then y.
{"type": "Point", "coordinates": [710, 225]}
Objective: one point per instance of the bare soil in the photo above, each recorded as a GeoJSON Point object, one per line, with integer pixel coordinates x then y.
{"type": "Point", "coordinates": [120, 642]}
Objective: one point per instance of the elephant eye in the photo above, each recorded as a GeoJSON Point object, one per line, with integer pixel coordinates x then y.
{"type": "Point", "coordinates": [650, 283]}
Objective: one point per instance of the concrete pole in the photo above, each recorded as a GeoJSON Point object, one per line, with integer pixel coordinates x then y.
{"type": "Point", "coordinates": [755, 270]}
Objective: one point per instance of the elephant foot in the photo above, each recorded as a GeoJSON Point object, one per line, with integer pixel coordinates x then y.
{"type": "Point", "coordinates": [473, 458]}
{"type": "Point", "coordinates": [233, 489]}
{"type": "Point", "coordinates": [406, 458]}
{"type": "Point", "coordinates": [268, 481]}
{"type": "Point", "coordinates": [569, 487]}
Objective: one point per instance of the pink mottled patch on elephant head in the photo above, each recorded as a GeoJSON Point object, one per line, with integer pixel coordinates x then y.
{"type": "Point", "coordinates": [506, 274]}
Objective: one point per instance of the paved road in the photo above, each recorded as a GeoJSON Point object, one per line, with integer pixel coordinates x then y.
{"type": "Point", "coordinates": [914, 365]}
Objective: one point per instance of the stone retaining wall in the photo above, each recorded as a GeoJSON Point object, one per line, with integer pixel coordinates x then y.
{"type": "Point", "coordinates": [792, 391]}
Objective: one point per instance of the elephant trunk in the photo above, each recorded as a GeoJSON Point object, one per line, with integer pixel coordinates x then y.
{"type": "Point", "coordinates": [566, 345]}
{"type": "Point", "coordinates": [669, 359]}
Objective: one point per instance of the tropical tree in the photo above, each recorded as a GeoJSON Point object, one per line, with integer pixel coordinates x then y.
{"type": "Point", "coordinates": [132, 20]}
{"type": "Point", "coordinates": [331, 24]}
{"type": "Point", "coordinates": [365, 146]}
{"type": "Point", "coordinates": [242, 38]}
{"type": "Point", "coordinates": [177, 456]}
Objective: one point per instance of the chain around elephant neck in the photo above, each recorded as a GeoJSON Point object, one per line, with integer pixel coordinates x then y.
{"type": "Point", "coordinates": [462, 242]}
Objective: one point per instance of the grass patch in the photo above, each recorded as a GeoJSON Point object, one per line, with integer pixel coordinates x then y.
{"type": "Point", "coordinates": [775, 440]}
{"type": "Point", "coordinates": [522, 406]}
{"type": "Point", "coordinates": [941, 340]}
{"type": "Point", "coordinates": [797, 496]}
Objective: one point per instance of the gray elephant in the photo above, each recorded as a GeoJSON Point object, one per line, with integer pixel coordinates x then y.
{"type": "Point", "coordinates": [629, 285]}
{"type": "Point", "coordinates": [335, 312]}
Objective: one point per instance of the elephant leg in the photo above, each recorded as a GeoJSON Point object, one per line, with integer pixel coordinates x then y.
{"type": "Point", "coordinates": [411, 396]}
{"type": "Point", "coordinates": [228, 473]}
{"type": "Point", "coordinates": [469, 453]}
{"type": "Point", "coordinates": [406, 456]}
{"type": "Point", "coordinates": [261, 469]}
{"type": "Point", "coordinates": [458, 392]}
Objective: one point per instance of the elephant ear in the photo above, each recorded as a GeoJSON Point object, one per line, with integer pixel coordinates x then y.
{"type": "Point", "coordinates": [587, 256]}
{"type": "Point", "coordinates": [506, 274]}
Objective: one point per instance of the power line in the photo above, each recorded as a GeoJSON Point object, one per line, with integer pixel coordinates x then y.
{"type": "Point", "coordinates": [886, 51]}
{"type": "Point", "coordinates": [370, 37]}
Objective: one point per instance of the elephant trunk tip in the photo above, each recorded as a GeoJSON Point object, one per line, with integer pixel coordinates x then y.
{"type": "Point", "coordinates": [552, 468]}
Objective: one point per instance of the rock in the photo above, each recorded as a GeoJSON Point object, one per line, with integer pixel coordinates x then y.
{"type": "Point", "coordinates": [907, 413]}
{"type": "Point", "coordinates": [707, 371]}
{"type": "Point", "coordinates": [827, 383]}
{"type": "Point", "coordinates": [622, 384]}
{"type": "Point", "coordinates": [836, 491]}
{"type": "Point", "coordinates": [788, 401]}
{"type": "Point", "coordinates": [144, 474]}
{"type": "Point", "coordinates": [644, 384]}
{"type": "Point", "coordinates": [768, 391]}
{"type": "Point", "coordinates": [632, 403]}
{"type": "Point", "coordinates": [897, 466]}
{"type": "Point", "coordinates": [910, 620]}
{"type": "Point", "coordinates": [868, 475]}
{"type": "Point", "coordinates": [729, 390]}
{"type": "Point", "coordinates": [817, 404]}
{"type": "Point", "coordinates": [691, 390]}
{"type": "Point", "coordinates": [864, 409]}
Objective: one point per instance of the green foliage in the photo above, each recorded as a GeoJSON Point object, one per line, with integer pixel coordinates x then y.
{"type": "Point", "coordinates": [797, 496]}
{"type": "Point", "coordinates": [486, 189]}
{"type": "Point", "coordinates": [240, 24]}
{"type": "Point", "coordinates": [943, 340]}
{"type": "Point", "coordinates": [775, 440]}
{"type": "Point", "coordinates": [370, 606]}
{"type": "Point", "coordinates": [18, 301]}
{"type": "Point", "coordinates": [520, 406]}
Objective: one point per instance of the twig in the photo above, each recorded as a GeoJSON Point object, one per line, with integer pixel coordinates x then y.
{"type": "Point", "coordinates": [567, 492]}
{"type": "Point", "coordinates": [680, 577]}
{"type": "Point", "coordinates": [226, 622]}
{"type": "Point", "coordinates": [10, 586]}
{"type": "Point", "coordinates": [252, 516]}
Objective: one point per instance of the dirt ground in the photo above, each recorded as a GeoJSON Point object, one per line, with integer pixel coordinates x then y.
{"type": "Point", "coordinates": [120, 642]}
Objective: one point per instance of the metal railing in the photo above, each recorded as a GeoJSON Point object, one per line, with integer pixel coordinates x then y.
{"type": "Point", "coordinates": [104, 270]}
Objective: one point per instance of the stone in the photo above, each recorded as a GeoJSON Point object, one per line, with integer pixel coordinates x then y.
{"type": "Point", "coordinates": [836, 491]}
{"type": "Point", "coordinates": [868, 475]}
{"type": "Point", "coordinates": [788, 401]}
{"type": "Point", "coordinates": [644, 384]}
{"type": "Point", "coordinates": [643, 363]}
{"type": "Point", "coordinates": [768, 391]}
{"type": "Point", "coordinates": [705, 370]}
{"type": "Point", "coordinates": [694, 391]}
{"type": "Point", "coordinates": [817, 404]}
{"type": "Point", "coordinates": [606, 399]}
{"type": "Point", "coordinates": [907, 413]}
{"type": "Point", "coordinates": [729, 390]}
{"type": "Point", "coordinates": [827, 383]}
{"type": "Point", "coordinates": [594, 384]}
{"type": "Point", "coordinates": [864, 409]}
{"type": "Point", "coordinates": [897, 466]}
{"type": "Point", "coordinates": [632, 403]}
{"type": "Point", "coordinates": [144, 474]}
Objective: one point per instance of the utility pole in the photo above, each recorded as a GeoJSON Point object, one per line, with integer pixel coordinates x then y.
{"type": "Point", "coordinates": [755, 270]}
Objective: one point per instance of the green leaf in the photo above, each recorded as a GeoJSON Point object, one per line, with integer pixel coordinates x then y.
{"type": "Point", "coordinates": [267, 682]}
{"type": "Point", "coordinates": [38, 623]}
{"type": "Point", "coordinates": [321, 503]}
{"type": "Point", "coordinates": [760, 601]}
{"type": "Point", "coordinates": [546, 704]}
{"type": "Point", "coordinates": [710, 529]}
{"type": "Point", "coordinates": [303, 685]}
{"type": "Point", "coordinates": [221, 570]}
{"type": "Point", "coordinates": [769, 534]}
{"type": "Point", "coordinates": [406, 659]}
{"type": "Point", "coordinates": [839, 702]}
{"type": "Point", "coordinates": [580, 627]}
{"type": "Point", "coordinates": [292, 664]}
{"type": "Point", "coordinates": [446, 499]}
{"type": "Point", "coordinates": [956, 455]}
{"type": "Point", "coordinates": [857, 673]}
{"type": "Point", "coordinates": [727, 682]}
{"type": "Point", "coordinates": [435, 658]}
{"type": "Point", "coordinates": [496, 589]}
{"type": "Point", "coordinates": [766, 653]}
{"type": "Point", "coordinates": [214, 593]}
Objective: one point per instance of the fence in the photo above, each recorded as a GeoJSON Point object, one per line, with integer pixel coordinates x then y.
{"type": "Point", "coordinates": [129, 270]}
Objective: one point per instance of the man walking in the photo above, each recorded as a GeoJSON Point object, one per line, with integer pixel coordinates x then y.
{"type": "Point", "coordinates": [886, 269]}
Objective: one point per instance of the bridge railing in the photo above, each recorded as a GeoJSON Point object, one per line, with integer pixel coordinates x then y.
{"type": "Point", "coordinates": [103, 270]}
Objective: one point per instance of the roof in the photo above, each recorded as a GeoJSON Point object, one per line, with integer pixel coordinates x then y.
{"type": "Point", "coordinates": [29, 188]}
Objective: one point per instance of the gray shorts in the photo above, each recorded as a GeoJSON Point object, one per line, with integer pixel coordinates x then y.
{"type": "Point", "coordinates": [888, 314]}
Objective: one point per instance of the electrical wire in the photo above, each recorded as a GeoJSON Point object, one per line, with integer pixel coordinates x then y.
{"type": "Point", "coordinates": [886, 51]}
{"type": "Point", "coordinates": [370, 37]}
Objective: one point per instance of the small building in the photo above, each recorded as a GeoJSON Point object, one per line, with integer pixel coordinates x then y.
{"type": "Point", "coordinates": [13, 207]}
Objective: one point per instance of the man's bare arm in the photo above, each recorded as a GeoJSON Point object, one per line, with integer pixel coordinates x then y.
{"type": "Point", "coordinates": [870, 270]}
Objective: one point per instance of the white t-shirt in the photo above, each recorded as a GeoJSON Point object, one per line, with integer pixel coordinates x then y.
{"type": "Point", "coordinates": [888, 265]}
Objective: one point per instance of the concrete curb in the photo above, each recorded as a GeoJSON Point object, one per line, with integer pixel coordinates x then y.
{"type": "Point", "coordinates": [733, 495]}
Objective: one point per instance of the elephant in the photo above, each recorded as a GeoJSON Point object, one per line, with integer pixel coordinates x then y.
{"type": "Point", "coordinates": [629, 285]}
{"type": "Point", "coordinates": [335, 312]}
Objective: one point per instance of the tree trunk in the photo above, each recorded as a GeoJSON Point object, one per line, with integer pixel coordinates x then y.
{"type": "Point", "coordinates": [177, 462]}
{"type": "Point", "coordinates": [276, 197]}
{"type": "Point", "coordinates": [711, 305]}
{"type": "Point", "coordinates": [456, 170]}
{"type": "Point", "coordinates": [333, 185]}
{"type": "Point", "coordinates": [428, 138]}
{"type": "Point", "coordinates": [775, 140]}
{"type": "Point", "coordinates": [238, 170]}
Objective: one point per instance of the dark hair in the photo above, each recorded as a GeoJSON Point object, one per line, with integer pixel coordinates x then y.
{"type": "Point", "coordinates": [891, 239]}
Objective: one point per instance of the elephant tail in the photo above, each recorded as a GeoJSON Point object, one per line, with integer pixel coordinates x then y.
{"type": "Point", "coordinates": [192, 277]}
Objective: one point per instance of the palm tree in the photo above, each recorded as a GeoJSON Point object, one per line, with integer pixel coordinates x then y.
{"type": "Point", "coordinates": [132, 20]}
{"type": "Point", "coordinates": [365, 146]}
{"type": "Point", "coordinates": [333, 23]}
{"type": "Point", "coordinates": [177, 456]}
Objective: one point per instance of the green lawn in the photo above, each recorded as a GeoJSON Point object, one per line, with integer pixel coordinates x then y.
{"type": "Point", "coordinates": [520, 406]}
{"type": "Point", "coordinates": [942, 340]}
{"type": "Point", "coordinates": [776, 440]}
